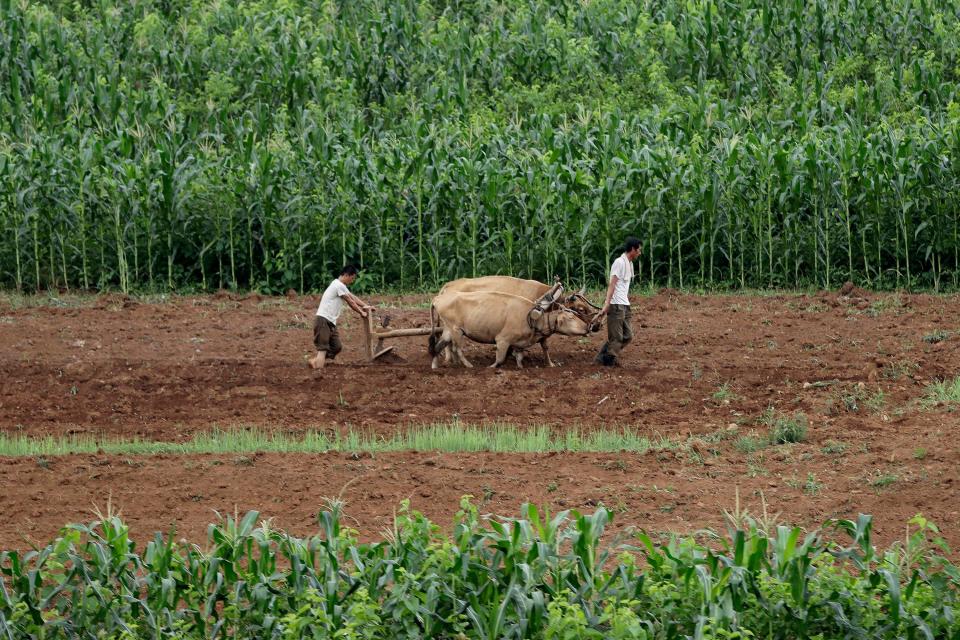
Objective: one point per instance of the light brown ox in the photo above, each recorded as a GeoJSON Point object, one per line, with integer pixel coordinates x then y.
{"type": "Point", "coordinates": [504, 319]}
{"type": "Point", "coordinates": [531, 290]}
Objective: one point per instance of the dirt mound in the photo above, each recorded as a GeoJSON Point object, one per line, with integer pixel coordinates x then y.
{"type": "Point", "coordinates": [115, 300]}
{"type": "Point", "coordinates": [391, 357]}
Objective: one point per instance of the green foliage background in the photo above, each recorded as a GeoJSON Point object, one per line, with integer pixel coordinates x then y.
{"type": "Point", "coordinates": [191, 143]}
{"type": "Point", "coordinates": [539, 576]}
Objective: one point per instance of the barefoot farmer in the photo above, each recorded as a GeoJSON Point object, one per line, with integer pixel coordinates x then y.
{"type": "Point", "coordinates": [617, 305]}
{"type": "Point", "coordinates": [325, 336]}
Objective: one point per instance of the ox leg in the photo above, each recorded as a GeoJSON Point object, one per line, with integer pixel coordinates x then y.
{"type": "Point", "coordinates": [546, 353]}
{"type": "Point", "coordinates": [456, 346]}
{"type": "Point", "coordinates": [463, 358]}
{"type": "Point", "coordinates": [442, 345]}
{"type": "Point", "coordinates": [503, 348]}
{"type": "Point", "coordinates": [518, 354]}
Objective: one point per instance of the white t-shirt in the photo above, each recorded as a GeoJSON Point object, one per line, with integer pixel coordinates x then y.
{"type": "Point", "coordinates": [623, 269]}
{"type": "Point", "coordinates": [331, 304]}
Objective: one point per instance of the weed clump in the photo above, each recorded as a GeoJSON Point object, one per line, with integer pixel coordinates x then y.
{"type": "Point", "coordinates": [788, 429]}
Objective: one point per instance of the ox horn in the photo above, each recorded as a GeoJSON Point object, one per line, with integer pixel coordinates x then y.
{"type": "Point", "coordinates": [549, 297]}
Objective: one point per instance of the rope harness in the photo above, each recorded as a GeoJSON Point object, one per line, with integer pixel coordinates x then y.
{"type": "Point", "coordinates": [532, 323]}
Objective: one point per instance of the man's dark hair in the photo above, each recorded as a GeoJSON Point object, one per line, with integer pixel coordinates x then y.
{"type": "Point", "coordinates": [349, 270]}
{"type": "Point", "coordinates": [630, 244]}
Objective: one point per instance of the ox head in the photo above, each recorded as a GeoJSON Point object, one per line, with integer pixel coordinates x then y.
{"type": "Point", "coordinates": [580, 305]}
{"type": "Point", "coordinates": [551, 315]}
{"type": "Point", "coordinates": [569, 323]}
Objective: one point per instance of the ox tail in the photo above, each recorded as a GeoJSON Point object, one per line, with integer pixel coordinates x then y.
{"type": "Point", "coordinates": [432, 341]}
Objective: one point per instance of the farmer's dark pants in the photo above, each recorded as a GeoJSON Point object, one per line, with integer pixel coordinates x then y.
{"type": "Point", "coordinates": [326, 337]}
{"type": "Point", "coordinates": [619, 333]}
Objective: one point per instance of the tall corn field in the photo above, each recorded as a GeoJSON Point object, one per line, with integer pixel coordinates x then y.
{"type": "Point", "coordinates": [222, 144]}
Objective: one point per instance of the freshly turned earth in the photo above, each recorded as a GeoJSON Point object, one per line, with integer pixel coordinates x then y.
{"type": "Point", "coordinates": [701, 372]}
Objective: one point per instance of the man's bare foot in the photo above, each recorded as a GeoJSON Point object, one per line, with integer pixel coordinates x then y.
{"type": "Point", "coordinates": [317, 362]}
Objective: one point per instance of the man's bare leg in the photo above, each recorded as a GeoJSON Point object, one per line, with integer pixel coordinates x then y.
{"type": "Point", "coordinates": [319, 361]}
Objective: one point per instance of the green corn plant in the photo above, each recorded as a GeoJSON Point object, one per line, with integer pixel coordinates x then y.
{"type": "Point", "coordinates": [749, 144]}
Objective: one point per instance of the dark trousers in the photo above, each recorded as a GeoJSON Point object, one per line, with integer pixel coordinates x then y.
{"type": "Point", "coordinates": [619, 333]}
{"type": "Point", "coordinates": [326, 337]}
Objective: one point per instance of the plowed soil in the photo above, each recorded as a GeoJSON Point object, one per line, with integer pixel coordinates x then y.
{"type": "Point", "coordinates": [701, 373]}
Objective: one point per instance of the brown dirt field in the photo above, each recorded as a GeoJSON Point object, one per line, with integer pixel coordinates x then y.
{"type": "Point", "coordinates": [701, 372]}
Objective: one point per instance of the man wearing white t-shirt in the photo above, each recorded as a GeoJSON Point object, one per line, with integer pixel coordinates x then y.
{"type": "Point", "coordinates": [326, 338]}
{"type": "Point", "coordinates": [617, 305]}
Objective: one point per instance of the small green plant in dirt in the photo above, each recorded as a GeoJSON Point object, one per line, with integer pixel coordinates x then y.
{"type": "Point", "coordinates": [812, 486]}
{"type": "Point", "coordinates": [936, 336]}
{"type": "Point", "coordinates": [834, 447]}
{"type": "Point", "coordinates": [880, 480]}
{"type": "Point", "coordinates": [755, 467]}
{"type": "Point", "coordinates": [849, 399]}
{"type": "Point", "coordinates": [750, 444]}
{"type": "Point", "coordinates": [900, 369]}
{"type": "Point", "coordinates": [724, 394]}
{"type": "Point", "coordinates": [615, 465]}
{"type": "Point", "coordinates": [721, 435]}
{"type": "Point", "coordinates": [885, 304]}
{"type": "Point", "coordinates": [768, 416]}
{"type": "Point", "coordinates": [944, 392]}
{"type": "Point", "coordinates": [876, 401]}
{"type": "Point", "coordinates": [919, 453]}
{"type": "Point", "coordinates": [788, 429]}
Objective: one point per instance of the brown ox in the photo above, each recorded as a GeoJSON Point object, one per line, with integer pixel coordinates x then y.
{"type": "Point", "coordinates": [531, 290]}
{"type": "Point", "coordinates": [504, 319]}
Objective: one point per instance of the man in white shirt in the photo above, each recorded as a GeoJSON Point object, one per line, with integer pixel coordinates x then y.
{"type": "Point", "coordinates": [617, 305]}
{"type": "Point", "coordinates": [325, 336]}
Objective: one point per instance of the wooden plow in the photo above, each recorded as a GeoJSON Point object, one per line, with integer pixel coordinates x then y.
{"type": "Point", "coordinates": [373, 339]}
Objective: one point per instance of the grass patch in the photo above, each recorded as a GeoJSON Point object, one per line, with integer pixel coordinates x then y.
{"type": "Point", "coordinates": [15, 301]}
{"type": "Point", "coordinates": [884, 305]}
{"type": "Point", "coordinates": [452, 437]}
{"type": "Point", "coordinates": [900, 369]}
{"type": "Point", "coordinates": [834, 448]}
{"type": "Point", "coordinates": [881, 480]}
{"type": "Point", "coordinates": [936, 336]}
{"type": "Point", "coordinates": [946, 392]}
{"type": "Point", "coordinates": [786, 429]}
{"type": "Point", "coordinates": [724, 394]}
{"type": "Point", "coordinates": [750, 444]}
